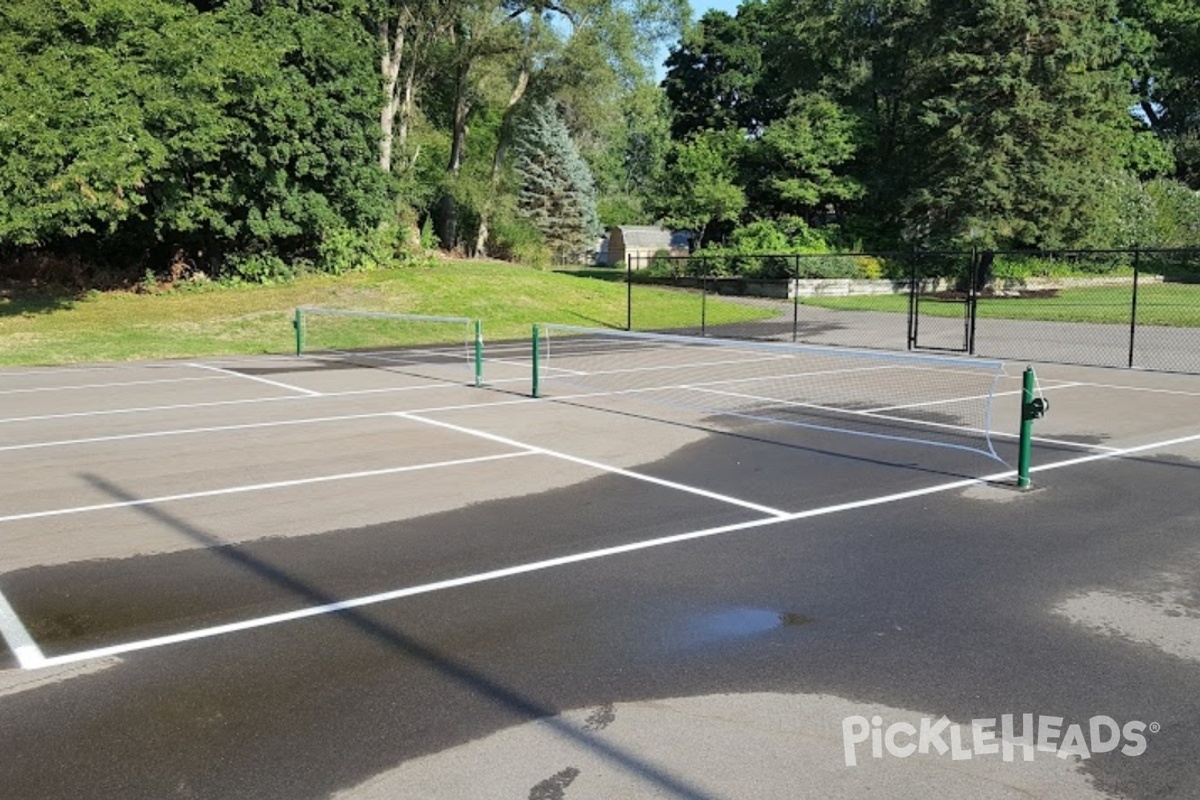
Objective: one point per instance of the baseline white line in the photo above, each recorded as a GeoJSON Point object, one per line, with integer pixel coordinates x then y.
{"type": "Point", "coordinates": [775, 512]}
{"type": "Point", "coordinates": [16, 635]}
{"type": "Point", "coordinates": [256, 378]}
{"type": "Point", "coordinates": [107, 385]}
{"type": "Point", "coordinates": [550, 563]}
{"type": "Point", "coordinates": [257, 487]}
{"type": "Point", "coordinates": [185, 431]}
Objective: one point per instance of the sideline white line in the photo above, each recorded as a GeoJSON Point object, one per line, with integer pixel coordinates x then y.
{"type": "Point", "coordinates": [1145, 389]}
{"type": "Point", "coordinates": [775, 512]}
{"type": "Point", "coordinates": [218, 403]}
{"type": "Point", "coordinates": [16, 635]}
{"type": "Point", "coordinates": [257, 487]}
{"type": "Point", "coordinates": [107, 385]}
{"type": "Point", "coordinates": [550, 563]}
{"type": "Point", "coordinates": [185, 431]}
{"type": "Point", "coordinates": [59, 370]}
{"type": "Point", "coordinates": [256, 378]}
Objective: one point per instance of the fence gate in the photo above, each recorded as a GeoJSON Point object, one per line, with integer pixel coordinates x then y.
{"type": "Point", "coordinates": [942, 300]}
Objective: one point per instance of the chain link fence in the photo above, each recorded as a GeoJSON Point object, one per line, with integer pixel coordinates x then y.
{"type": "Point", "coordinates": [1117, 308]}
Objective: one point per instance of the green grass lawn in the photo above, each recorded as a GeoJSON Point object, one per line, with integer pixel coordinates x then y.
{"type": "Point", "coordinates": [222, 320]}
{"type": "Point", "coordinates": [1170, 304]}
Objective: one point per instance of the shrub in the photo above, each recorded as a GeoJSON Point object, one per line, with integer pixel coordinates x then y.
{"type": "Point", "coordinates": [258, 268]}
{"type": "Point", "coordinates": [514, 239]}
{"type": "Point", "coordinates": [870, 268]}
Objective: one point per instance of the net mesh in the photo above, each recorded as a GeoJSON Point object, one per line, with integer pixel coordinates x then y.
{"type": "Point", "coordinates": [925, 400]}
{"type": "Point", "coordinates": [441, 348]}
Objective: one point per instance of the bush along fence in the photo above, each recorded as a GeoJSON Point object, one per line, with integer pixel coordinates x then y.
{"type": "Point", "coordinates": [1137, 308]}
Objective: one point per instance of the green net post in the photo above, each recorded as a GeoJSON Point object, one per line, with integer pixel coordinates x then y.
{"type": "Point", "coordinates": [537, 334]}
{"type": "Point", "coordinates": [298, 324]}
{"type": "Point", "coordinates": [1030, 410]}
{"type": "Point", "coordinates": [478, 353]}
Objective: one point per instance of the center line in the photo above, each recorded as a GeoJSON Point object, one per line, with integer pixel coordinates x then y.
{"type": "Point", "coordinates": [724, 498]}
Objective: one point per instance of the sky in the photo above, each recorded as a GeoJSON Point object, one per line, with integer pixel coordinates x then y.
{"type": "Point", "coordinates": [700, 6]}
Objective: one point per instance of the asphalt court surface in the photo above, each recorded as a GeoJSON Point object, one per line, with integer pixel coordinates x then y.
{"type": "Point", "coordinates": [204, 519]}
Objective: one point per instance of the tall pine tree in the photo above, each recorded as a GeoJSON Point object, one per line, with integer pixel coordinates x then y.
{"type": "Point", "coordinates": [557, 194]}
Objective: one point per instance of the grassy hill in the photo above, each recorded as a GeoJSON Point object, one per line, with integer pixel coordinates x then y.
{"type": "Point", "coordinates": [218, 319]}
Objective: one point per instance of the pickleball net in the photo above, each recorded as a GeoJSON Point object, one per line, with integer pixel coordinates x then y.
{"type": "Point", "coordinates": [927, 400]}
{"type": "Point", "coordinates": [442, 348]}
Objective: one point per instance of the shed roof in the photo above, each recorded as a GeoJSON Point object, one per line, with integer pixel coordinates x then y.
{"type": "Point", "coordinates": [645, 236]}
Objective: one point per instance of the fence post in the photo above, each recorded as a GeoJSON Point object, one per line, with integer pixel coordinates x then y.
{"type": "Point", "coordinates": [704, 305]}
{"type": "Point", "coordinates": [979, 276]}
{"type": "Point", "coordinates": [478, 353]}
{"type": "Point", "coordinates": [913, 289]}
{"type": "Point", "coordinates": [298, 324]}
{"type": "Point", "coordinates": [796, 299]}
{"type": "Point", "coordinates": [536, 388]}
{"type": "Point", "coordinates": [1137, 271]}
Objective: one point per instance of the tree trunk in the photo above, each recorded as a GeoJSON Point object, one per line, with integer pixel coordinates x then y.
{"type": "Point", "coordinates": [407, 105]}
{"type": "Point", "coordinates": [447, 224]}
{"type": "Point", "coordinates": [391, 54]}
{"type": "Point", "coordinates": [503, 143]}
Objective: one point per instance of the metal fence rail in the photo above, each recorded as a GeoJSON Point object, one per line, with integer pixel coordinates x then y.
{"type": "Point", "coordinates": [1137, 308]}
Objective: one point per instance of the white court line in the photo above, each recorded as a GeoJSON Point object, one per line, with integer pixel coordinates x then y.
{"type": "Point", "coordinates": [257, 487]}
{"type": "Point", "coordinates": [216, 403]}
{"type": "Point", "coordinates": [1147, 390]}
{"type": "Point", "coordinates": [325, 395]}
{"type": "Point", "coordinates": [73, 368]}
{"type": "Point", "coordinates": [528, 364]}
{"type": "Point", "coordinates": [550, 563]}
{"type": "Point", "coordinates": [185, 431]}
{"type": "Point", "coordinates": [107, 385]}
{"type": "Point", "coordinates": [256, 378]}
{"type": "Point", "coordinates": [16, 635]}
{"type": "Point", "coordinates": [596, 465]}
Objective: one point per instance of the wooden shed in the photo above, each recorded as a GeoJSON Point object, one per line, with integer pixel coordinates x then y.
{"type": "Point", "coordinates": [642, 242]}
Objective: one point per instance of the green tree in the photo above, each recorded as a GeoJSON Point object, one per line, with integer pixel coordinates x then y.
{"type": "Point", "coordinates": [713, 77]}
{"type": "Point", "coordinates": [1026, 116]}
{"type": "Point", "coordinates": [699, 184]}
{"type": "Point", "coordinates": [1164, 38]}
{"type": "Point", "coordinates": [805, 154]}
{"type": "Point", "coordinates": [140, 130]}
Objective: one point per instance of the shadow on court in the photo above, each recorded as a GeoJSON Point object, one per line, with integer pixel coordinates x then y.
{"type": "Point", "coordinates": [473, 680]}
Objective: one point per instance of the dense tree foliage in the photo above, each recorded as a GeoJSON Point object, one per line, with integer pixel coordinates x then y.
{"type": "Point", "coordinates": [999, 122]}
{"type": "Point", "coordinates": [253, 137]}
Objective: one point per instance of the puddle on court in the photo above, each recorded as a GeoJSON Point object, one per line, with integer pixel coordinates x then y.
{"type": "Point", "coordinates": [735, 623]}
